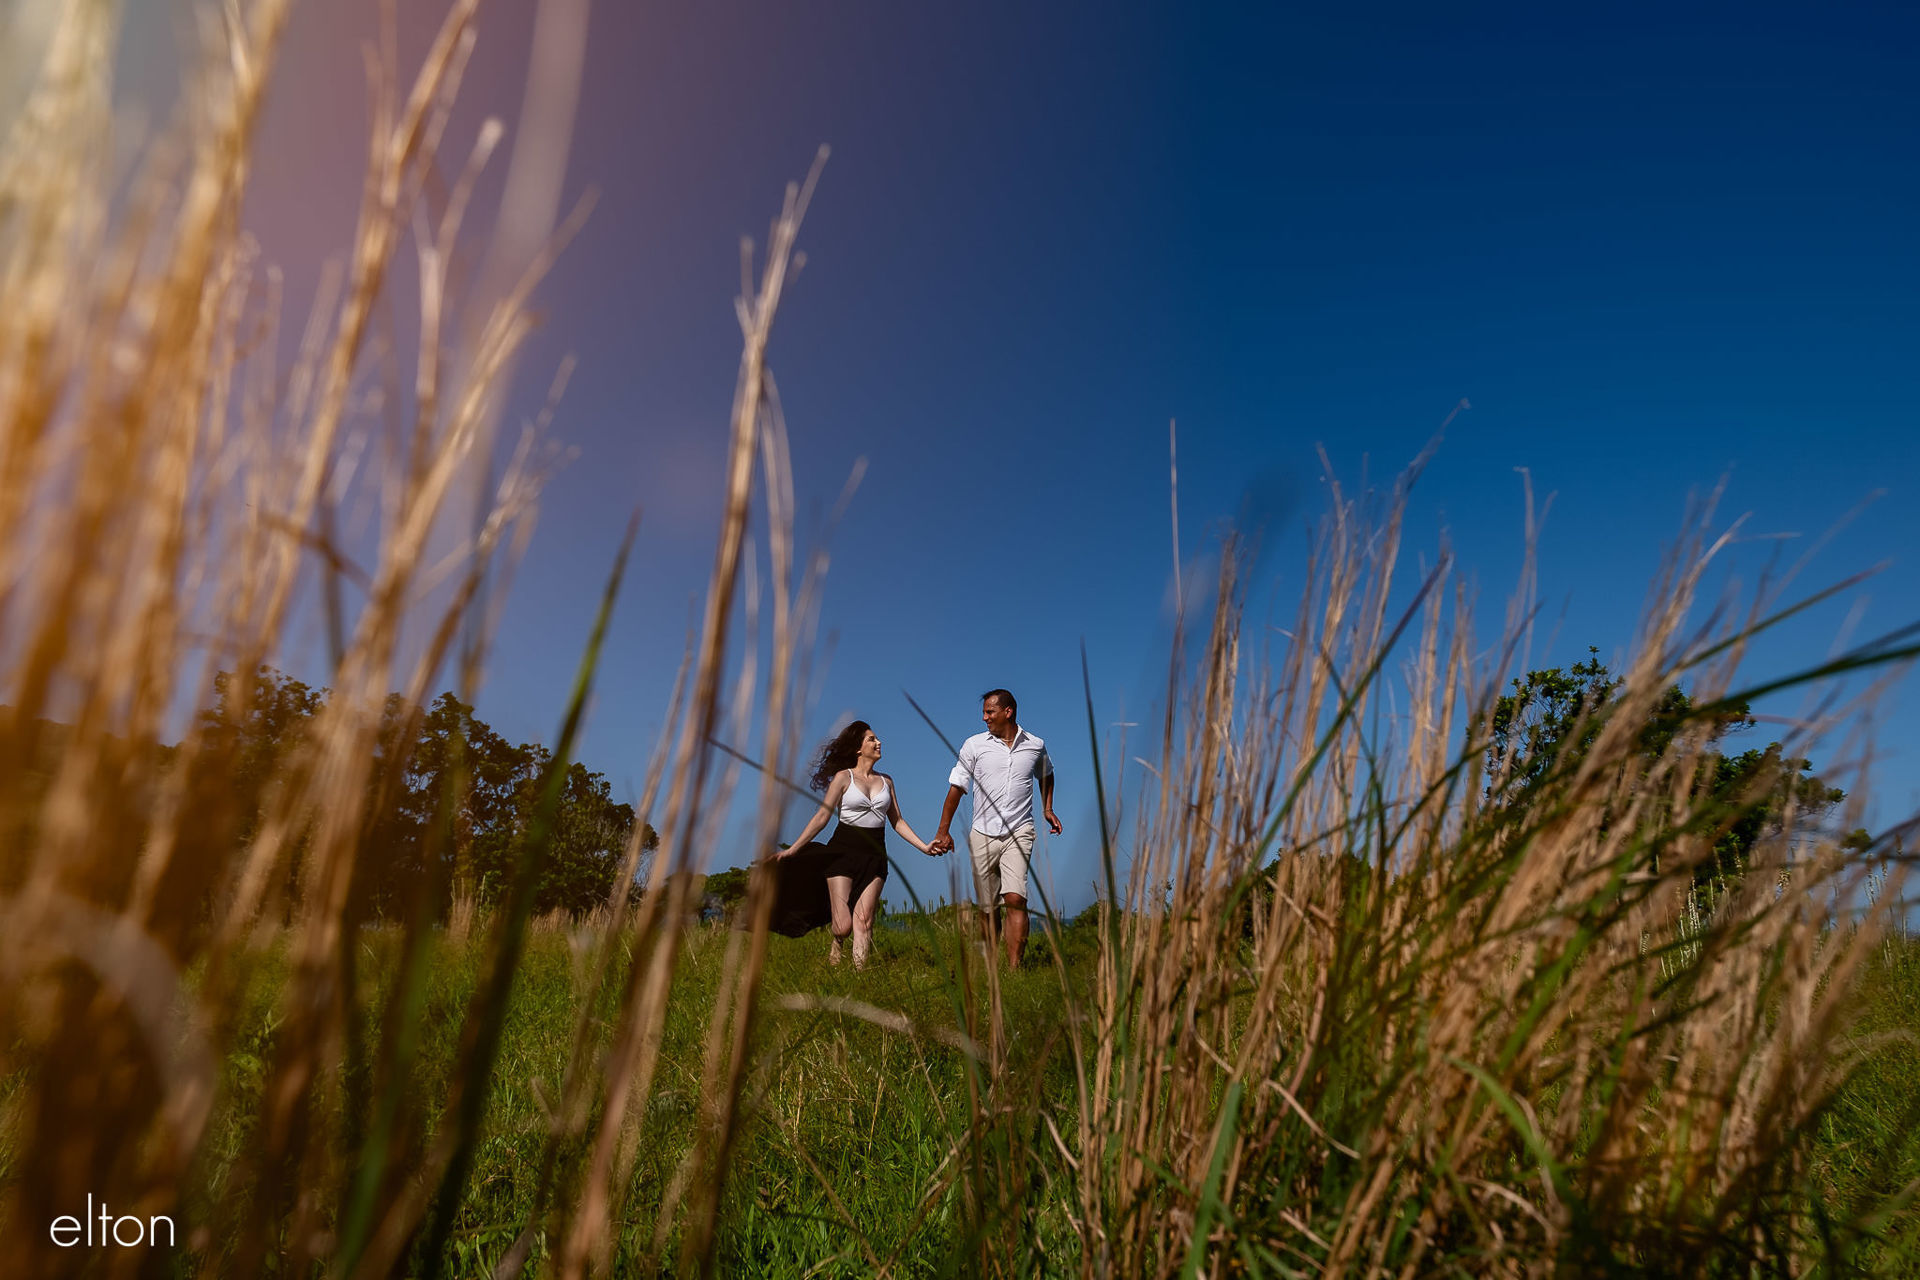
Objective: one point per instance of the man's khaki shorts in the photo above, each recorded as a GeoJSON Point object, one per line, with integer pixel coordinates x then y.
{"type": "Point", "coordinates": [999, 864]}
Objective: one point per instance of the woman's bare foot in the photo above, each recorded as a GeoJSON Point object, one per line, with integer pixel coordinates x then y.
{"type": "Point", "coordinates": [833, 952]}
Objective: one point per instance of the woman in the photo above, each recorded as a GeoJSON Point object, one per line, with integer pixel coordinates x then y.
{"type": "Point", "coordinates": [855, 860]}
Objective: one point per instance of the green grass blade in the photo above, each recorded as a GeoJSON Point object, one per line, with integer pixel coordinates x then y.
{"type": "Point", "coordinates": [487, 1017]}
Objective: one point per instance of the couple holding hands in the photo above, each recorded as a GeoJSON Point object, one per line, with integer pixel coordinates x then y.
{"type": "Point", "coordinates": [1000, 767]}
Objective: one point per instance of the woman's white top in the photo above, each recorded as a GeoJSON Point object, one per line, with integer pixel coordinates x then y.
{"type": "Point", "coordinates": [859, 808]}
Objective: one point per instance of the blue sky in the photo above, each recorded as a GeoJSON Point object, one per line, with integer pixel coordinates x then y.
{"type": "Point", "coordinates": [1653, 249]}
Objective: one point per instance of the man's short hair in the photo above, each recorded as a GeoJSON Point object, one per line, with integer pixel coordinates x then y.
{"type": "Point", "coordinates": [1006, 699]}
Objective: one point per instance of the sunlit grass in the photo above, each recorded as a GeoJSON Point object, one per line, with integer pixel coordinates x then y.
{"type": "Point", "coordinates": [848, 1123]}
{"type": "Point", "coordinates": [846, 1126]}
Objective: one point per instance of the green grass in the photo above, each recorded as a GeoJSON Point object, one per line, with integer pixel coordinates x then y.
{"type": "Point", "coordinates": [850, 1126]}
{"type": "Point", "coordinates": [849, 1123]}
{"type": "Point", "coordinates": [1869, 1142]}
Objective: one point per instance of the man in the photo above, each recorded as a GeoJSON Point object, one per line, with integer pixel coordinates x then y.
{"type": "Point", "coordinates": [1000, 767]}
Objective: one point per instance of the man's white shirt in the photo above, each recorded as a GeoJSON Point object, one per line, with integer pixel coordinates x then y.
{"type": "Point", "coordinates": [1001, 779]}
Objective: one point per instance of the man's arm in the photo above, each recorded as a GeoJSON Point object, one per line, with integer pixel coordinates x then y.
{"type": "Point", "coordinates": [959, 782]}
{"type": "Point", "coordinates": [942, 841]}
{"type": "Point", "coordinates": [1046, 799]}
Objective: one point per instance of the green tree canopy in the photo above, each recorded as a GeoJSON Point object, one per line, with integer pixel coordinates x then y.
{"type": "Point", "coordinates": [452, 800]}
{"type": "Point", "coordinates": [1552, 717]}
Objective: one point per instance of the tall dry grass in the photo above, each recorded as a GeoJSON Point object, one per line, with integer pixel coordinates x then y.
{"type": "Point", "coordinates": [1360, 1003]}
{"type": "Point", "coordinates": [1366, 1006]}
{"type": "Point", "coordinates": [169, 498]}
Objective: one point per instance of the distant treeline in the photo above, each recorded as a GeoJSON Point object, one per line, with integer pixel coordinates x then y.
{"type": "Point", "coordinates": [448, 809]}
{"type": "Point", "coordinates": [450, 802]}
{"type": "Point", "coordinates": [444, 814]}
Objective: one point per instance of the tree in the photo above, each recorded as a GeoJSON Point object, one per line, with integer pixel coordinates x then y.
{"type": "Point", "coordinates": [256, 743]}
{"type": "Point", "coordinates": [462, 794]}
{"type": "Point", "coordinates": [251, 735]}
{"type": "Point", "coordinates": [491, 788]}
{"type": "Point", "coordinates": [1551, 715]}
{"type": "Point", "coordinates": [589, 838]}
{"type": "Point", "coordinates": [451, 804]}
{"type": "Point", "coordinates": [1551, 719]}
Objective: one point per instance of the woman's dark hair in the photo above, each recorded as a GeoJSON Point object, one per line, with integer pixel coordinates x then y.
{"type": "Point", "coordinates": [842, 751]}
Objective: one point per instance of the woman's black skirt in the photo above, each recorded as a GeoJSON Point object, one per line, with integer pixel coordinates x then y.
{"type": "Point", "coordinates": [800, 903]}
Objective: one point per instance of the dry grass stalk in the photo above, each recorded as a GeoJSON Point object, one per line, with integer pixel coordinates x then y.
{"type": "Point", "coordinates": [1462, 1009]}
{"type": "Point", "coordinates": [634, 1059]}
{"type": "Point", "coordinates": [157, 508]}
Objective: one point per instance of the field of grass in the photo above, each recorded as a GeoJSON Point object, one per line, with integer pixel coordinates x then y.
{"type": "Point", "coordinates": [851, 1121]}
{"type": "Point", "coordinates": [1868, 1144]}
{"type": "Point", "coordinates": [854, 1120]}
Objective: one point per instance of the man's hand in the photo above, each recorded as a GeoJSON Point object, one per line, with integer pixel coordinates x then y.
{"type": "Point", "coordinates": [1053, 823]}
{"type": "Point", "coordinates": [941, 843]}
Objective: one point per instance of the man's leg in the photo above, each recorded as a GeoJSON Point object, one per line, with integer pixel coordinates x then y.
{"type": "Point", "coordinates": [1016, 928]}
{"type": "Point", "coordinates": [985, 858]}
{"type": "Point", "coordinates": [1015, 853]}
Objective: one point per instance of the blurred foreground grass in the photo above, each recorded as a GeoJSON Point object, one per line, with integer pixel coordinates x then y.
{"type": "Point", "coordinates": [850, 1123]}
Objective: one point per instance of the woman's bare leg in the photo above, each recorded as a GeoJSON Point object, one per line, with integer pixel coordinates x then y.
{"type": "Point", "coordinates": [839, 889]}
{"type": "Point", "coordinates": [863, 913]}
